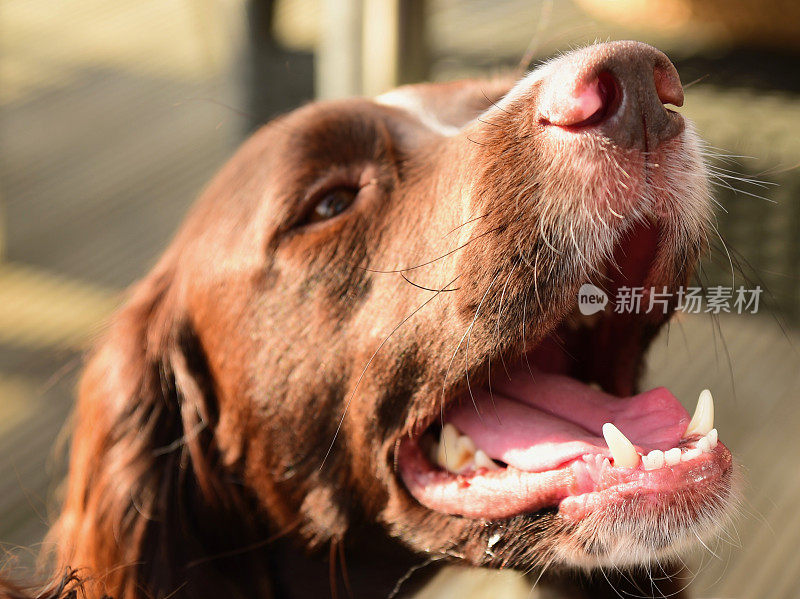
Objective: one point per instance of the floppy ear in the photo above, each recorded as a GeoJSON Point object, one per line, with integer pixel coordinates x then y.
{"type": "Point", "coordinates": [149, 510]}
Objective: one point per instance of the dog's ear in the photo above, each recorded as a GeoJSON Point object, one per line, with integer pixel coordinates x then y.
{"type": "Point", "coordinates": [149, 509]}
{"type": "Point", "coordinates": [448, 106]}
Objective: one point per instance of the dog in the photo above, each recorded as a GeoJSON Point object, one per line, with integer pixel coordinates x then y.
{"type": "Point", "coordinates": [361, 356]}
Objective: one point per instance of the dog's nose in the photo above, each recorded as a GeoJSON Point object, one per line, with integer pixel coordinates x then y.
{"type": "Point", "coordinates": [619, 89]}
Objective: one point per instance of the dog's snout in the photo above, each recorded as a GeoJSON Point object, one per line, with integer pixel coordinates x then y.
{"type": "Point", "coordinates": [619, 89]}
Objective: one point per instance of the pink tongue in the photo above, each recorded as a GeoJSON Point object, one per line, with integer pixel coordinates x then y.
{"type": "Point", "coordinates": [537, 423]}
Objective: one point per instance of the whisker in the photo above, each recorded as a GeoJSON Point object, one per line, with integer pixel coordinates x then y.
{"type": "Point", "coordinates": [369, 362]}
{"type": "Point", "coordinates": [429, 262]}
{"type": "Point", "coordinates": [407, 280]}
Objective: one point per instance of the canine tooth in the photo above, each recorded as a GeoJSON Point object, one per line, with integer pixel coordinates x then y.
{"type": "Point", "coordinates": [449, 437]}
{"type": "Point", "coordinates": [672, 456]}
{"type": "Point", "coordinates": [465, 445]}
{"type": "Point", "coordinates": [653, 460]}
{"type": "Point", "coordinates": [713, 437]}
{"type": "Point", "coordinates": [464, 454]}
{"type": "Point", "coordinates": [484, 461]}
{"type": "Point", "coordinates": [449, 434]}
{"type": "Point", "coordinates": [448, 440]}
{"type": "Point", "coordinates": [622, 450]}
{"type": "Point", "coordinates": [690, 455]}
{"type": "Point", "coordinates": [455, 452]}
{"type": "Point", "coordinates": [704, 445]}
{"type": "Point", "coordinates": [703, 420]}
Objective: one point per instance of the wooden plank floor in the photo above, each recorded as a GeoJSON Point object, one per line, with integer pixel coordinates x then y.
{"type": "Point", "coordinates": [104, 145]}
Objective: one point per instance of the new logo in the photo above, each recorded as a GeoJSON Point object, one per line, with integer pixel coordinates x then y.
{"type": "Point", "coordinates": [591, 299]}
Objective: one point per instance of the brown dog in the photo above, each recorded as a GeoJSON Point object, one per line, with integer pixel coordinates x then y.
{"type": "Point", "coordinates": [362, 351]}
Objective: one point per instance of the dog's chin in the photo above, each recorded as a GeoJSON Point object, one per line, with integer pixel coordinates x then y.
{"type": "Point", "coordinates": [555, 457]}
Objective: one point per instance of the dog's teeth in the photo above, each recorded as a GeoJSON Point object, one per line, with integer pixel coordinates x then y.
{"type": "Point", "coordinates": [448, 438]}
{"type": "Point", "coordinates": [442, 454]}
{"type": "Point", "coordinates": [622, 450]}
{"type": "Point", "coordinates": [690, 454]}
{"type": "Point", "coordinates": [672, 456]}
{"type": "Point", "coordinates": [703, 420]}
{"type": "Point", "coordinates": [465, 453]}
{"type": "Point", "coordinates": [713, 437]}
{"type": "Point", "coordinates": [445, 456]}
{"type": "Point", "coordinates": [653, 460]}
{"type": "Point", "coordinates": [484, 461]}
{"type": "Point", "coordinates": [465, 445]}
{"type": "Point", "coordinates": [708, 442]}
{"type": "Point", "coordinates": [455, 452]}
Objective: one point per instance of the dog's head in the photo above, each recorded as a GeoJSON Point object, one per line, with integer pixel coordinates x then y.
{"type": "Point", "coordinates": [372, 316]}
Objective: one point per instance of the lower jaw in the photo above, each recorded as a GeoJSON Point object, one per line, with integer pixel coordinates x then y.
{"type": "Point", "coordinates": [485, 494]}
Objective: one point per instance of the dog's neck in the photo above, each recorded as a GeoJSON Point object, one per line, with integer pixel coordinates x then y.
{"type": "Point", "coordinates": [380, 567]}
{"type": "Point", "coordinates": [373, 566]}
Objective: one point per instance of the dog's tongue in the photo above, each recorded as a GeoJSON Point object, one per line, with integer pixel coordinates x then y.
{"type": "Point", "coordinates": [536, 421]}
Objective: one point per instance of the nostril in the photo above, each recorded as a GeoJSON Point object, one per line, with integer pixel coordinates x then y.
{"type": "Point", "coordinates": [610, 97]}
{"type": "Point", "coordinates": [590, 104]}
{"type": "Point", "coordinates": [668, 86]}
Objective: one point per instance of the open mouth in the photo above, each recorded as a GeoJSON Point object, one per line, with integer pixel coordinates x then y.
{"type": "Point", "coordinates": [562, 427]}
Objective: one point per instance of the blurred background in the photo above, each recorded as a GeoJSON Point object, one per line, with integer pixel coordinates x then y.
{"type": "Point", "coordinates": [113, 115]}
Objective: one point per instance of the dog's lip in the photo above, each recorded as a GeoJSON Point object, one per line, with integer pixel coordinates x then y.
{"type": "Point", "coordinates": [553, 454]}
{"type": "Point", "coordinates": [497, 494]}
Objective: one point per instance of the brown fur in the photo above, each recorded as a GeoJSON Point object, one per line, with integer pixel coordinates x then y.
{"type": "Point", "coordinates": [208, 458]}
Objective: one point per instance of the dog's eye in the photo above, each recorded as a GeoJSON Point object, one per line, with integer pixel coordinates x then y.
{"type": "Point", "coordinates": [332, 203]}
